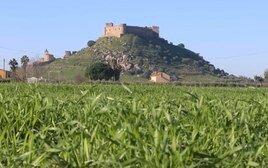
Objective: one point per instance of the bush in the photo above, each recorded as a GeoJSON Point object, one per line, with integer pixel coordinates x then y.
{"type": "Point", "coordinates": [181, 45]}
{"type": "Point", "coordinates": [99, 71]}
{"type": "Point", "coordinates": [258, 79]}
{"type": "Point", "coordinates": [90, 43]}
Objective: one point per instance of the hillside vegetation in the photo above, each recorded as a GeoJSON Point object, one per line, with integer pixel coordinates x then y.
{"type": "Point", "coordinates": [137, 56]}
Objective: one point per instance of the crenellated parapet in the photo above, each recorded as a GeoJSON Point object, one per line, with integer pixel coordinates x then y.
{"type": "Point", "coordinates": [111, 30]}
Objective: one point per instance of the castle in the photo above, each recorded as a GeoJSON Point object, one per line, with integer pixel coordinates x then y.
{"type": "Point", "coordinates": [111, 30]}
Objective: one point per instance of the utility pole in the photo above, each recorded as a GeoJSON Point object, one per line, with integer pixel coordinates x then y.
{"type": "Point", "coordinates": [4, 64]}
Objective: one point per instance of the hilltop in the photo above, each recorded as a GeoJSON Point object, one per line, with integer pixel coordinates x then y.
{"type": "Point", "coordinates": [138, 56]}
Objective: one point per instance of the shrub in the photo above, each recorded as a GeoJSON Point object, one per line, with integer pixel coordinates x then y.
{"type": "Point", "coordinates": [90, 43]}
{"type": "Point", "coordinates": [99, 71]}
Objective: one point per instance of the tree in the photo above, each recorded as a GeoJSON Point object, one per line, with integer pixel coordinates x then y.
{"type": "Point", "coordinates": [13, 64]}
{"type": "Point", "coordinates": [24, 61]}
{"type": "Point", "coordinates": [90, 43]}
{"type": "Point", "coordinates": [116, 69]}
{"type": "Point", "coordinates": [181, 45]}
{"type": "Point", "coordinates": [116, 72]}
{"type": "Point", "coordinates": [258, 79]}
{"type": "Point", "coordinates": [99, 71]}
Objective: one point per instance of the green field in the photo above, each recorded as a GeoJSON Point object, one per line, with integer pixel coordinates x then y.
{"type": "Point", "coordinates": [132, 126]}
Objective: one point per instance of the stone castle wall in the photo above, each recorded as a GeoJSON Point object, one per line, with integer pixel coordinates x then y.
{"type": "Point", "coordinates": [114, 31]}
{"type": "Point", "coordinates": [119, 30]}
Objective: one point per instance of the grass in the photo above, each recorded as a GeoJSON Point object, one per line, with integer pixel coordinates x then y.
{"type": "Point", "coordinates": [132, 126]}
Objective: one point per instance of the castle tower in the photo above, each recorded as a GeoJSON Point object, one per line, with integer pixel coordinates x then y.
{"type": "Point", "coordinates": [114, 31]}
{"type": "Point", "coordinates": [110, 24]}
{"type": "Point", "coordinates": [155, 29]}
{"type": "Point", "coordinates": [67, 54]}
{"type": "Point", "coordinates": [46, 52]}
{"type": "Point", "coordinates": [48, 57]}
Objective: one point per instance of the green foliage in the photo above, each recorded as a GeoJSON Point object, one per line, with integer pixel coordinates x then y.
{"type": "Point", "coordinates": [181, 45]}
{"type": "Point", "coordinates": [90, 43]}
{"type": "Point", "coordinates": [258, 79]}
{"type": "Point", "coordinates": [132, 126]}
{"type": "Point", "coordinates": [13, 64]}
{"type": "Point", "coordinates": [99, 71]}
{"type": "Point", "coordinates": [24, 60]}
{"type": "Point", "coordinates": [116, 72]}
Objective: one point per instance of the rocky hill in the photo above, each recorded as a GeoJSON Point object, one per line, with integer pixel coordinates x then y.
{"type": "Point", "coordinates": [137, 56]}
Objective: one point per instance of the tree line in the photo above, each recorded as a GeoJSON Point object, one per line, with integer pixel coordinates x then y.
{"type": "Point", "coordinates": [98, 70]}
{"type": "Point", "coordinates": [13, 63]}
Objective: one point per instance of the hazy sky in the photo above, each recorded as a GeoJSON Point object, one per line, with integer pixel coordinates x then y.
{"type": "Point", "coordinates": [231, 34]}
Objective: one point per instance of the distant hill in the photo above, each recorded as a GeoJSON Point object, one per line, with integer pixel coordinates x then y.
{"type": "Point", "coordinates": [138, 57]}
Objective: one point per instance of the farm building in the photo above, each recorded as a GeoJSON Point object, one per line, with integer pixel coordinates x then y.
{"type": "Point", "coordinates": [160, 77]}
{"type": "Point", "coordinates": [4, 74]}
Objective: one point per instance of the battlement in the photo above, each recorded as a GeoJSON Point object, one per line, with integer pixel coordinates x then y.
{"type": "Point", "coordinates": [111, 30]}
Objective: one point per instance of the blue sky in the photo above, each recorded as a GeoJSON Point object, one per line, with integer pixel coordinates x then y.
{"type": "Point", "coordinates": [232, 35]}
